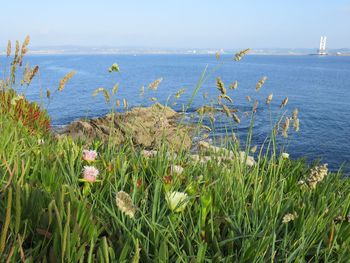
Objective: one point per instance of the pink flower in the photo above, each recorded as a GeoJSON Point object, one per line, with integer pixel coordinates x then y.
{"type": "Point", "coordinates": [89, 155]}
{"type": "Point", "coordinates": [90, 173]}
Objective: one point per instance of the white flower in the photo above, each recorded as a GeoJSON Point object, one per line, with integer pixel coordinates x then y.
{"type": "Point", "coordinates": [177, 201]}
{"type": "Point", "coordinates": [285, 155]}
{"type": "Point", "coordinates": [289, 217]}
{"type": "Point", "coordinates": [124, 203]}
{"type": "Point", "coordinates": [149, 154]}
{"type": "Point", "coordinates": [176, 169]}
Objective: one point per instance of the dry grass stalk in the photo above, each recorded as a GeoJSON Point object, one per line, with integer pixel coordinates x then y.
{"type": "Point", "coordinates": [234, 85]}
{"type": "Point", "coordinates": [115, 89]}
{"type": "Point", "coordinates": [25, 74]}
{"type": "Point", "coordinates": [235, 118]}
{"type": "Point", "coordinates": [24, 50]}
{"type": "Point", "coordinates": [284, 102]}
{"type": "Point", "coordinates": [296, 125]}
{"type": "Point", "coordinates": [154, 85]}
{"type": "Point", "coordinates": [241, 54]}
{"type": "Point", "coordinates": [285, 128]}
{"type": "Point", "coordinates": [226, 110]}
{"type": "Point", "coordinates": [126, 104]}
{"type": "Point", "coordinates": [220, 86]}
{"type": "Point", "coordinates": [226, 97]}
{"type": "Point", "coordinates": [179, 93]}
{"type": "Point", "coordinates": [65, 79]}
{"type": "Point", "coordinates": [142, 91]}
{"type": "Point", "coordinates": [260, 83]}
{"type": "Point", "coordinates": [253, 149]}
{"type": "Point", "coordinates": [255, 106]}
{"type": "Point", "coordinates": [269, 99]}
{"type": "Point", "coordinates": [205, 95]}
{"type": "Point", "coordinates": [32, 74]}
{"type": "Point", "coordinates": [8, 50]}
{"type": "Point", "coordinates": [295, 114]}
{"type": "Point", "coordinates": [105, 93]}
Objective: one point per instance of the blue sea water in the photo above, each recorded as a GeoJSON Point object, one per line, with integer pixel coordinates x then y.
{"type": "Point", "coordinates": [318, 86]}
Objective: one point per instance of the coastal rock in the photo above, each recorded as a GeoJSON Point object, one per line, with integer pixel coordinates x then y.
{"type": "Point", "coordinates": [146, 126]}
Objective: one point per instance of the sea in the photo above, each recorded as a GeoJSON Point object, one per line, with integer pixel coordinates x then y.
{"type": "Point", "coordinates": [318, 86]}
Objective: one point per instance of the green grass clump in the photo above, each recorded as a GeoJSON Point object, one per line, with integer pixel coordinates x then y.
{"type": "Point", "coordinates": [231, 213]}
{"type": "Point", "coordinates": [161, 207]}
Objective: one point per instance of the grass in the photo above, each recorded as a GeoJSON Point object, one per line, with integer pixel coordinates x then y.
{"type": "Point", "coordinates": [227, 211]}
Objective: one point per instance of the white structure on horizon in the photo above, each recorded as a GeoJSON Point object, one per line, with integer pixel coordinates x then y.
{"type": "Point", "coordinates": [322, 50]}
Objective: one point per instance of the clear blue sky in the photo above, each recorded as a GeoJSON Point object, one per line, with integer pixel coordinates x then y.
{"type": "Point", "coordinates": [177, 23]}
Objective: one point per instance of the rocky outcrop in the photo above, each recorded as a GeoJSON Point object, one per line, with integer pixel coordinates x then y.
{"type": "Point", "coordinates": [147, 127]}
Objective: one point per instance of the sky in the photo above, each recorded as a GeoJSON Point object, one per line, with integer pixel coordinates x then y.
{"type": "Point", "coordinates": [177, 24]}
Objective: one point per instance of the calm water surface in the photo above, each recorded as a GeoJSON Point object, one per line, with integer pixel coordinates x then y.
{"type": "Point", "coordinates": [318, 86]}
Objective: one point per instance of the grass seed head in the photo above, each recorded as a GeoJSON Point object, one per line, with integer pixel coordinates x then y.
{"type": "Point", "coordinates": [220, 86]}
{"type": "Point", "coordinates": [8, 50]}
{"type": "Point", "coordinates": [65, 80]}
{"type": "Point", "coordinates": [284, 102]}
{"type": "Point", "coordinates": [154, 85]}
{"type": "Point", "coordinates": [269, 99]}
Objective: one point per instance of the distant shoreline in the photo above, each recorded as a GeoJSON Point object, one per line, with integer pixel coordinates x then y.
{"type": "Point", "coordinates": [137, 53]}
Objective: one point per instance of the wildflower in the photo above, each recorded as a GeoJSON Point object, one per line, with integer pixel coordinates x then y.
{"type": "Point", "coordinates": [317, 175]}
{"type": "Point", "coordinates": [139, 183]}
{"type": "Point", "coordinates": [124, 203]}
{"type": "Point", "coordinates": [149, 154]}
{"type": "Point", "coordinates": [301, 182]}
{"type": "Point", "coordinates": [176, 169]}
{"type": "Point", "coordinates": [177, 201]}
{"type": "Point", "coordinates": [167, 179]}
{"type": "Point", "coordinates": [249, 160]}
{"type": "Point", "coordinates": [15, 99]}
{"type": "Point", "coordinates": [90, 174]}
{"type": "Point", "coordinates": [89, 155]}
{"type": "Point", "coordinates": [289, 217]}
{"type": "Point", "coordinates": [285, 155]}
